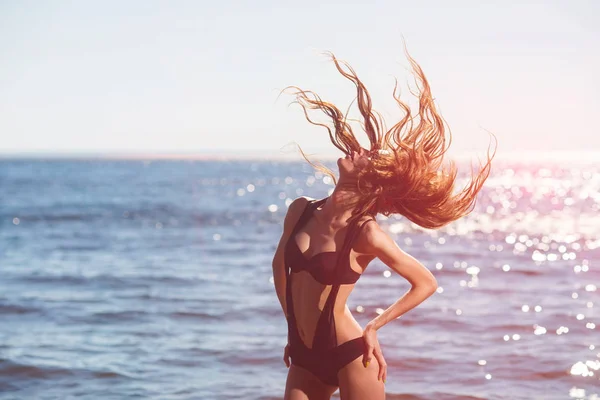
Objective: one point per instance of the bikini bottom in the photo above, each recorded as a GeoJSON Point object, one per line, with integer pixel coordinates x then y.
{"type": "Point", "coordinates": [325, 364]}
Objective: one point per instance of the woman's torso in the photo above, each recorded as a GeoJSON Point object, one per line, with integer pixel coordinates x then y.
{"type": "Point", "coordinates": [312, 259]}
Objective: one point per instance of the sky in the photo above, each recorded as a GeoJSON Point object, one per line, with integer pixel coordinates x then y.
{"type": "Point", "coordinates": [199, 76]}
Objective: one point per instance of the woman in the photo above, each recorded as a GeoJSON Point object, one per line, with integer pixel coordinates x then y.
{"type": "Point", "coordinates": [327, 244]}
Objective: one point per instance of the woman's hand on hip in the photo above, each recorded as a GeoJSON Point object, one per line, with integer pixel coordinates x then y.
{"type": "Point", "coordinates": [372, 349]}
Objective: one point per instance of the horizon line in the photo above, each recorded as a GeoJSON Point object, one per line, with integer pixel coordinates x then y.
{"type": "Point", "coordinates": [266, 155]}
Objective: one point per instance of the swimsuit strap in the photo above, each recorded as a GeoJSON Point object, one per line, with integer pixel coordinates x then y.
{"type": "Point", "coordinates": [309, 208]}
{"type": "Point", "coordinates": [325, 332]}
{"type": "Point", "coordinates": [306, 214]}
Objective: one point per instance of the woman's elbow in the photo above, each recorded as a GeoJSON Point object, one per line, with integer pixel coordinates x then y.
{"type": "Point", "coordinates": [429, 286]}
{"type": "Point", "coordinates": [433, 285]}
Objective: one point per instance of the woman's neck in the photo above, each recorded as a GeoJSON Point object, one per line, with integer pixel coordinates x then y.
{"type": "Point", "coordinates": [338, 207]}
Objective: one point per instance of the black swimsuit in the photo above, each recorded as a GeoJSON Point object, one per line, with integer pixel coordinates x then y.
{"type": "Point", "coordinates": [326, 357]}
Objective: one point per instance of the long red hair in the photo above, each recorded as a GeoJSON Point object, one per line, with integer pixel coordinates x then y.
{"type": "Point", "coordinates": [407, 174]}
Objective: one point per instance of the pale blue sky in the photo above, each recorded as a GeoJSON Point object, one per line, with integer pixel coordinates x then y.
{"type": "Point", "coordinates": [197, 76]}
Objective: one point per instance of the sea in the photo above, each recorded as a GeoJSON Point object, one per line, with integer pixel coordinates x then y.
{"type": "Point", "coordinates": [152, 279]}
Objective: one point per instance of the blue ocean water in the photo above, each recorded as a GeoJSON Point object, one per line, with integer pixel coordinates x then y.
{"type": "Point", "coordinates": [152, 279]}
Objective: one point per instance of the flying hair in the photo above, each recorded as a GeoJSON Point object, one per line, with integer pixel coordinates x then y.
{"type": "Point", "coordinates": [407, 173]}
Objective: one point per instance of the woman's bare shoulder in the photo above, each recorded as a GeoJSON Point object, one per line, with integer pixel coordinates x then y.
{"type": "Point", "coordinates": [299, 203]}
{"type": "Point", "coordinates": [367, 222]}
{"type": "Point", "coordinates": [371, 233]}
{"type": "Point", "coordinates": [294, 210]}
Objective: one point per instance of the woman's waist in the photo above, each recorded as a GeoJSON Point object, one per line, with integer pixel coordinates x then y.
{"type": "Point", "coordinates": [346, 326]}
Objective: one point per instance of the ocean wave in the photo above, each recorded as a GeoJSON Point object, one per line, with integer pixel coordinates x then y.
{"type": "Point", "coordinates": [18, 370]}
{"type": "Point", "coordinates": [16, 309]}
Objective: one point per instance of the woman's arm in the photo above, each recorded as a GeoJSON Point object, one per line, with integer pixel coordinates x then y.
{"type": "Point", "coordinates": [423, 283]}
{"type": "Point", "coordinates": [293, 214]}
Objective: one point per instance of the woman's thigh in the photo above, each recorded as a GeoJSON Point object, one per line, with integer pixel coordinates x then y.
{"type": "Point", "coordinates": [358, 382]}
{"type": "Point", "coordinates": [303, 385]}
